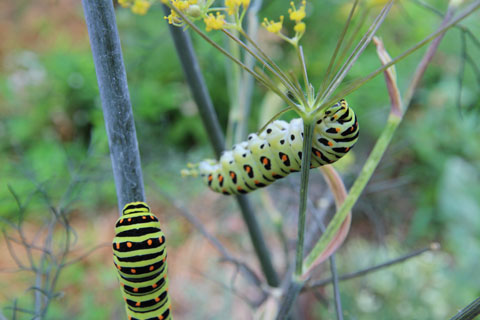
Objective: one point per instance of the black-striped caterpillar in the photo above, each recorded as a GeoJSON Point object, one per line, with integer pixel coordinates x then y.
{"type": "Point", "coordinates": [277, 151]}
{"type": "Point", "coordinates": [139, 255]}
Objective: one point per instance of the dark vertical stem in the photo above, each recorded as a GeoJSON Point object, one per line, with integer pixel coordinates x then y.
{"type": "Point", "coordinates": [336, 288]}
{"type": "Point", "coordinates": [117, 109]}
{"type": "Point", "coordinates": [202, 98]}
{"type": "Point", "coordinates": [470, 312]}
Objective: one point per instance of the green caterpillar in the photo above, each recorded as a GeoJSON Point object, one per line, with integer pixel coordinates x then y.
{"type": "Point", "coordinates": [277, 151]}
{"type": "Point", "coordinates": [139, 255]}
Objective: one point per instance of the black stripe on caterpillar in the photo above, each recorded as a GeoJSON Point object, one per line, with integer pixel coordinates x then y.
{"type": "Point", "coordinates": [139, 255]}
{"type": "Point", "coordinates": [277, 151]}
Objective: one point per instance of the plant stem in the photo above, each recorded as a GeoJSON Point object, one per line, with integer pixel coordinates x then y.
{"type": "Point", "coordinates": [296, 283]}
{"type": "Point", "coordinates": [357, 188]}
{"type": "Point", "coordinates": [293, 289]}
{"type": "Point", "coordinates": [336, 288]}
{"type": "Point", "coordinates": [209, 118]}
{"type": "Point", "coordinates": [308, 126]}
{"type": "Point", "coordinates": [470, 312]}
{"type": "Point", "coordinates": [117, 109]}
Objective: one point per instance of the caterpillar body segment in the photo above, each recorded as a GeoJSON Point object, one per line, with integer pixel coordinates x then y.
{"type": "Point", "coordinates": [277, 151]}
{"type": "Point", "coordinates": [139, 255]}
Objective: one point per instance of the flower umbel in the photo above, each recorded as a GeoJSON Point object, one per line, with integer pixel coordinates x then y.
{"type": "Point", "coordinates": [297, 15]}
{"type": "Point", "coordinates": [234, 5]}
{"type": "Point", "coordinates": [272, 26]}
{"type": "Point", "coordinates": [214, 22]}
{"type": "Point", "coordinates": [294, 14]}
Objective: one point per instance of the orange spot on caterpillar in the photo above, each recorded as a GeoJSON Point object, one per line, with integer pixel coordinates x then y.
{"type": "Point", "coordinates": [330, 143]}
{"type": "Point", "coordinates": [133, 271]}
{"type": "Point", "coordinates": [232, 174]}
{"type": "Point", "coordinates": [265, 161]}
{"type": "Point", "coordinates": [129, 219]}
{"type": "Point", "coordinates": [337, 129]}
{"type": "Point", "coordinates": [165, 276]}
{"type": "Point", "coordinates": [149, 242]}
{"type": "Point", "coordinates": [256, 181]}
{"type": "Point", "coordinates": [352, 128]}
{"type": "Point", "coordinates": [220, 178]}
{"type": "Point", "coordinates": [129, 244]}
{"type": "Point", "coordinates": [210, 178]}
{"type": "Point", "coordinates": [151, 268]}
{"type": "Point", "coordinates": [248, 169]}
{"type": "Point", "coordinates": [157, 299]}
{"type": "Point", "coordinates": [119, 268]}
{"type": "Point", "coordinates": [318, 154]}
{"type": "Point", "coordinates": [122, 284]}
{"type": "Point", "coordinates": [284, 158]}
{"type": "Point", "coordinates": [239, 188]}
{"type": "Point", "coordinates": [144, 217]}
{"type": "Point", "coordinates": [154, 285]}
{"type": "Point", "coordinates": [160, 239]}
{"type": "Point", "coordinates": [160, 317]}
{"type": "Point", "coordinates": [121, 221]}
{"type": "Point", "coordinates": [164, 259]}
{"type": "Point", "coordinates": [118, 245]}
{"type": "Point", "coordinates": [135, 289]}
{"type": "Point", "coordinates": [137, 304]}
{"type": "Point", "coordinates": [346, 149]}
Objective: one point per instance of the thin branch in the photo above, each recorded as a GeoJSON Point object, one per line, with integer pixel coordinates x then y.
{"type": "Point", "coordinates": [337, 47]}
{"type": "Point", "coordinates": [320, 283]}
{"type": "Point", "coordinates": [336, 288]}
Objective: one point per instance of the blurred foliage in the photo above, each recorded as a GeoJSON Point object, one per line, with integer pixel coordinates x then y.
{"type": "Point", "coordinates": [51, 131]}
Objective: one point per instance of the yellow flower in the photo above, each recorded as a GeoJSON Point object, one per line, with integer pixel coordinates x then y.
{"type": "Point", "coordinates": [300, 27]}
{"type": "Point", "coordinates": [272, 26]}
{"type": "Point", "coordinates": [140, 7]}
{"type": "Point", "coordinates": [233, 5]}
{"type": "Point", "coordinates": [214, 22]}
{"type": "Point", "coordinates": [297, 15]}
{"type": "Point", "coordinates": [181, 5]}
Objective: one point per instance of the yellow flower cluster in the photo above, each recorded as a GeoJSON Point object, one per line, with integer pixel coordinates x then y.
{"type": "Point", "coordinates": [139, 7]}
{"type": "Point", "coordinates": [272, 26]}
{"type": "Point", "coordinates": [233, 6]}
{"type": "Point", "coordinates": [296, 15]}
{"type": "Point", "coordinates": [214, 22]}
{"type": "Point", "coordinates": [191, 8]}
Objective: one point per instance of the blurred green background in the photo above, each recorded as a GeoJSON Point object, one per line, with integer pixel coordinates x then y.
{"type": "Point", "coordinates": [52, 138]}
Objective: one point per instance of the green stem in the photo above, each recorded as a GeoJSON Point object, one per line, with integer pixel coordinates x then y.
{"type": "Point", "coordinates": [233, 85]}
{"type": "Point", "coordinates": [308, 126]}
{"type": "Point", "coordinates": [308, 88]}
{"type": "Point", "coordinates": [276, 71]}
{"type": "Point", "coordinates": [297, 92]}
{"type": "Point", "coordinates": [357, 188]}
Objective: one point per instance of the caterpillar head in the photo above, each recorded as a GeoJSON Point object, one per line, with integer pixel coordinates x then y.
{"type": "Point", "coordinates": [134, 207]}
{"type": "Point", "coordinates": [336, 111]}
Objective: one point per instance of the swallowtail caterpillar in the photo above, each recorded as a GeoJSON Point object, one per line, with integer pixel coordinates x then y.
{"type": "Point", "coordinates": [277, 151]}
{"type": "Point", "coordinates": [139, 255]}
